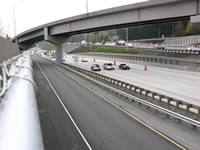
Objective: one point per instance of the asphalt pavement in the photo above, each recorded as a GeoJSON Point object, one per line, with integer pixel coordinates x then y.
{"type": "Point", "coordinates": [97, 124]}
{"type": "Point", "coordinates": [178, 84]}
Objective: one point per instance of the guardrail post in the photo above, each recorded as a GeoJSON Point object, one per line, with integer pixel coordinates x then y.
{"type": "Point", "coordinates": [147, 92]}
{"type": "Point", "coordinates": [161, 97]}
{"type": "Point", "coordinates": [130, 87]}
{"type": "Point", "coordinates": [179, 121]}
{"type": "Point", "coordinates": [193, 126]}
{"type": "Point", "coordinates": [124, 85]}
{"type": "Point", "coordinates": [153, 95]}
{"type": "Point", "coordinates": [188, 106]}
{"type": "Point", "coordinates": [178, 103]}
{"type": "Point", "coordinates": [169, 99]}
{"type": "Point", "coordinates": [135, 89]}
{"type": "Point", "coordinates": [141, 90]}
{"type": "Point", "coordinates": [199, 111]}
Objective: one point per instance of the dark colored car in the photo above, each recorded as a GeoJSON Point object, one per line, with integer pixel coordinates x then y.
{"type": "Point", "coordinates": [95, 67]}
{"type": "Point", "coordinates": [46, 53]}
{"type": "Point", "coordinates": [124, 67]}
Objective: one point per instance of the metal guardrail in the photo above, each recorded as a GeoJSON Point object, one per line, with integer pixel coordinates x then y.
{"type": "Point", "coordinates": [171, 50]}
{"type": "Point", "coordinates": [81, 72]}
{"type": "Point", "coordinates": [166, 50]}
{"type": "Point", "coordinates": [19, 127]}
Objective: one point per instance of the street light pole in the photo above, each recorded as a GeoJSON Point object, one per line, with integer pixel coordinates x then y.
{"type": "Point", "coordinates": [86, 6]}
{"type": "Point", "coordinates": [14, 21]}
{"type": "Point", "coordinates": [14, 16]}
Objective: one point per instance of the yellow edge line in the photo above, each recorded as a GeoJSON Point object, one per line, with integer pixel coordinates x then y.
{"type": "Point", "coordinates": [126, 112]}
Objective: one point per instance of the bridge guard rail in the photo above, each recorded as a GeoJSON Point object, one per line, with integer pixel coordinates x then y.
{"type": "Point", "coordinates": [19, 127]}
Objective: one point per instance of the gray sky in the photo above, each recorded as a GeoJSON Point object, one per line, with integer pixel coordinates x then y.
{"type": "Point", "coordinates": [32, 13]}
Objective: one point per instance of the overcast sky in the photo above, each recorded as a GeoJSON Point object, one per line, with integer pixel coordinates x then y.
{"type": "Point", "coordinates": [32, 13]}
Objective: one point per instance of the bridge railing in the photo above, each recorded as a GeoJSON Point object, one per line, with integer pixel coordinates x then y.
{"type": "Point", "coordinates": [19, 127]}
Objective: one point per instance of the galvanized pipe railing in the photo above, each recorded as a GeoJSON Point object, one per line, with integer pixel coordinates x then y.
{"type": "Point", "coordinates": [19, 127]}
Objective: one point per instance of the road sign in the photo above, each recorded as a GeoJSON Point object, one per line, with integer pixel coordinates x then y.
{"type": "Point", "coordinates": [76, 59]}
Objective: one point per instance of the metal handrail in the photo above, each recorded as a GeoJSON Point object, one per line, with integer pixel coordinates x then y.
{"type": "Point", "coordinates": [20, 126]}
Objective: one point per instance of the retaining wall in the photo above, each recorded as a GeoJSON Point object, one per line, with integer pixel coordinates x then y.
{"type": "Point", "coordinates": [7, 49]}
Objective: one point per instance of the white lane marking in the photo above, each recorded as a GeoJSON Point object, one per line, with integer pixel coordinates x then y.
{"type": "Point", "coordinates": [65, 108]}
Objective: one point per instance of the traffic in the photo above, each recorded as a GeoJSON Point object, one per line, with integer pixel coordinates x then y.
{"type": "Point", "coordinates": [129, 44]}
{"type": "Point", "coordinates": [165, 81]}
{"type": "Point", "coordinates": [168, 82]}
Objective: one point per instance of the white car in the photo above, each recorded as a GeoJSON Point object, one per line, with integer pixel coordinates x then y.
{"type": "Point", "coordinates": [193, 48]}
{"type": "Point", "coordinates": [98, 43]}
{"type": "Point", "coordinates": [129, 44]}
{"type": "Point", "coordinates": [158, 46]}
{"type": "Point", "coordinates": [121, 42]}
{"type": "Point", "coordinates": [83, 42]}
{"type": "Point", "coordinates": [110, 43]}
{"type": "Point", "coordinates": [84, 60]}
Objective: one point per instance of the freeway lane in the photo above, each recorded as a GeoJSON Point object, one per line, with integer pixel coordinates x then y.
{"type": "Point", "coordinates": [103, 125]}
{"type": "Point", "coordinates": [181, 85]}
{"type": "Point", "coordinates": [58, 130]}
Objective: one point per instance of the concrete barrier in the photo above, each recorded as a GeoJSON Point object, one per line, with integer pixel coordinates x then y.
{"type": "Point", "coordinates": [7, 49]}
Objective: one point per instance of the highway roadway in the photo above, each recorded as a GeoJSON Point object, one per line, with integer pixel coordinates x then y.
{"type": "Point", "coordinates": [181, 85]}
{"type": "Point", "coordinates": [75, 116]}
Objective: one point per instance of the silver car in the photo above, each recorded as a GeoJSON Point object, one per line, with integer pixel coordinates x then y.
{"type": "Point", "coordinates": [95, 67]}
{"type": "Point", "coordinates": [108, 66]}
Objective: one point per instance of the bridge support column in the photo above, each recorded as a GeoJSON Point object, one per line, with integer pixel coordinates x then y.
{"type": "Point", "coordinates": [59, 53]}
{"type": "Point", "coordinates": [58, 41]}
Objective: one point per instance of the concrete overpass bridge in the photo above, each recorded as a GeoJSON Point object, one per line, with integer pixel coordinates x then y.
{"type": "Point", "coordinates": [58, 32]}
